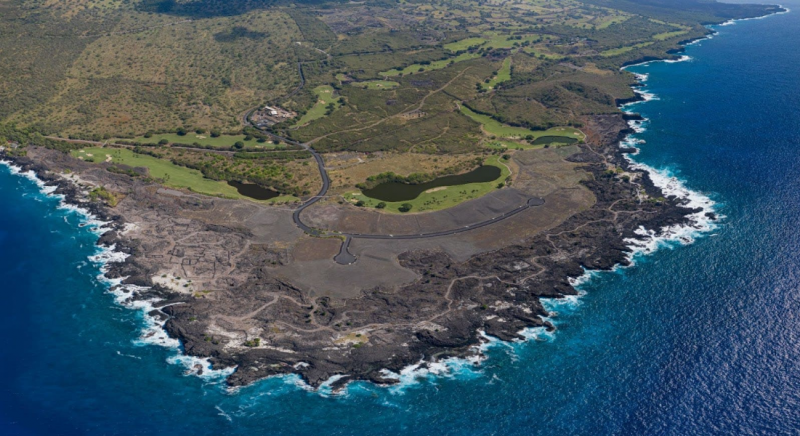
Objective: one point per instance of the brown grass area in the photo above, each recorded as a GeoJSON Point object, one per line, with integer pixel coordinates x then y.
{"type": "Point", "coordinates": [151, 72]}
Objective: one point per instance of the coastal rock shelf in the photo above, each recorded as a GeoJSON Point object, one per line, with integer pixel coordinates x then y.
{"type": "Point", "coordinates": [243, 271]}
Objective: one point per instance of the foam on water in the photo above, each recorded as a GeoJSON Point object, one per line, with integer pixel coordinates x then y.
{"type": "Point", "coordinates": [152, 332]}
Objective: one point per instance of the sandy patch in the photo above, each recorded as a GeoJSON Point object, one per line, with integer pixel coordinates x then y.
{"type": "Point", "coordinates": [440, 188]}
{"type": "Point", "coordinates": [177, 284]}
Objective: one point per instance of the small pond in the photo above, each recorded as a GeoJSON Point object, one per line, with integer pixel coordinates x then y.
{"type": "Point", "coordinates": [253, 191]}
{"type": "Point", "coordinates": [396, 191]}
{"type": "Point", "coordinates": [554, 140]}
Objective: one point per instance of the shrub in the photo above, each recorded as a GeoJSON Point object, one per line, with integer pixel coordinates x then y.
{"type": "Point", "coordinates": [405, 207]}
{"type": "Point", "coordinates": [163, 142]}
{"type": "Point", "coordinates": [380, 205]}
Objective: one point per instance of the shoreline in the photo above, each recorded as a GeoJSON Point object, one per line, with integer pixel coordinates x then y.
{"type": "Point", "coordinates": [116, 256]}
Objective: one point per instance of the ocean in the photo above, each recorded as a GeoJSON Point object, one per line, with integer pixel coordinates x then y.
{"type": "Point", "coordinates": [699, 337]}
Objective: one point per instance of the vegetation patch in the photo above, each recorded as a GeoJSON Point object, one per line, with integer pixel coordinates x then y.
{"type": "Point", "coordinates": [503, 75]}
{"type": "Point", "coordinates": [164, 171]}
{"type": "Point", "coordinates": [465, 44]}
{"type": "Point", "coordinates": [376, 84]}
{"type": "Point", "coordinates": [437, 198]}
{"type": "Point", "coordinates": [429, 66]}
{"type": "Point", "coordinates": [496, 128]}
{"type": "Point", "coordinates": [324, 106]}
{"type": "Point", "coordinates": [206, 139]}
{"type": "Point", "coordinates": [102, 194]}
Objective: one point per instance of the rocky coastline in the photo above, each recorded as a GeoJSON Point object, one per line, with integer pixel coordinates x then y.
{"type": "Point", "coordinates": [495, 294]}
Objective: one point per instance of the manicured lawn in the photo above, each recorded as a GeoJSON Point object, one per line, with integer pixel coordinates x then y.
{"type": "Point", "coordinates": [441, 198]}
{"type": "Point", "coordinates": [503, 74]}
{"type": "Point", "coordinates": [204, 139]}
{"type": "Point", "coordinates": [437, 65]}
{"type": "Point", "coordinates": [621, 50]}
{"type": "Point", "coordinates": [377, 84]}
{"type": "Point", "coordinates": [496, 128]}
{"type": "Point", "coordinates": [464, 44]}
{"type": "Point", "coordinates": [502, 41]}
{"type": "Point", "coordinates": [324, 96]}
{"type": "Point", "coordinates": [172, 175]}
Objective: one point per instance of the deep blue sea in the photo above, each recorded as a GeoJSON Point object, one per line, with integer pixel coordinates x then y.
{"type": "Point", "coordinates": [695, 339]}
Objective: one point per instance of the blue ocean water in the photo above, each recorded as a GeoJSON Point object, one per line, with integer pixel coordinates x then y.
{"type": "Point", "coordinates": [697, 339]}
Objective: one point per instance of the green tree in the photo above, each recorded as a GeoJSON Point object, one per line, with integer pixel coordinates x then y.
{"type": "Point", "coordinates": [405, 207]}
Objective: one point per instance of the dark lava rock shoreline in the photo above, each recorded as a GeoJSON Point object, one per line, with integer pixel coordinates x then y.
{"type": "Point", "coordinates": [497, 293]}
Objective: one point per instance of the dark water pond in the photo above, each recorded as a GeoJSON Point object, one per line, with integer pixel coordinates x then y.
{"type": "Point", "coordinates": [554, 140]}
{"type": "Point", "coordinates": [396, 191]}
{"type": "Point", "coordinates": [253, 191]}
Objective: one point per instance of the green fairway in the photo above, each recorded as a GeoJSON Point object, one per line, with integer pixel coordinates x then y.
{"type": "Point", "coordinates": [377, 84]}
{"type": "Point", "coordinates": [503, 74]}
{"type": "Point", "coordinates": [622, 50]}
{"type": "Point", "coordinates": [496, 128]}
{"type": "Point", "coordinates": [464, 44]}
{"type": "Point", "coordinates": [172, 175]}
{"type": "Point", "coordinates": [442, 197]}
{"type": "Point", "coordinates": [437, 65]}
{"type": "Point", "coordinates": [503, 41]}
{"type": "Point", "coordinates": [324, 97]}
{"type": "Point", "coordinates": [204, 139]}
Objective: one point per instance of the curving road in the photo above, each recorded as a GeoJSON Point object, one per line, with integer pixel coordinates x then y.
{"type": "Point", "coordinates": [345, 257]}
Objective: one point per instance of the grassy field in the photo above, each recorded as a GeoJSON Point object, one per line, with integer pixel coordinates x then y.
{"type": "Point", "coordinates": [205, 139]}
{"type": "Point", "coordinates": [441, 198]}
{"type": "Point", "coordinates": [539, 53]}
{"type": "Point", "coordinates": [503, 41]}
{"type": "Point", "coordinates": [496, 128]}
{"type": "Point", "coordinates": [464, 44]}
{"type": "Point", "coordinates": [612, 19]}
{"type": "Point", "coordinates": [324, 96]}
{"type": "Point", "coordinates": [437, 65]}
{"type": "Point", "coordinates": [667, 35]}
{"type": "Point", "coordinates": [503, 74]}
{"type": "Point", "coordinates": [376, 84]}
{"type": "Point", "coordinates": [623, 50]}
{"type": "Point", "coordinates": [173, 176]}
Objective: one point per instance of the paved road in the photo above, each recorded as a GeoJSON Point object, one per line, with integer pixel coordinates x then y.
{"type": "Point", "coordinates": [345, 257]}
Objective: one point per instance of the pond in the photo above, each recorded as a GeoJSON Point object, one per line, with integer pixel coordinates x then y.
{"type": "Point", "coordinates": [253, 191]}
{"type": "Point", "coordinates": [397, 191]}
{"type": "Point", "coordinates": [554, 140]}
